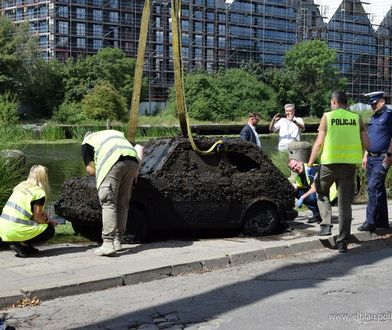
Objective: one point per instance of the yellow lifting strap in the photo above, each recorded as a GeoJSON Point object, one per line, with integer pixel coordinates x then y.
{"type": "Point", "coordinates": [179, 80]}
{"type": "Point", "coordinates": [137, 82]}
{"type": "Point", "coordinates": [178, 77]}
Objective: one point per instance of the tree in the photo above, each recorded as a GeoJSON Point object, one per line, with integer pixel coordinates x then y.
{"type": "Point", "coordinates": [109, 64]}
{"type": "Point", "coordinates": [104, 102]}
{"type": "Point", "coordinates": [8, 55]}
{"type": "Point", "coordinates": [226, 95]}
{"type": "Point", "coordinates": [312, 66]}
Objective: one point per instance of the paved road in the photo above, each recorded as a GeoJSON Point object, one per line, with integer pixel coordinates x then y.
{"type": "Point", "coordinates": [314, 290]}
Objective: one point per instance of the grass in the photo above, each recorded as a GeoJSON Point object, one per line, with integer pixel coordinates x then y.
{"type": "Point", "coordinates": [66, 234]}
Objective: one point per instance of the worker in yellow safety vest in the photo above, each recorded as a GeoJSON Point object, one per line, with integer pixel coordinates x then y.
{"type": "Point", "coordinates": [341, 139]}
{"type": "Point", "coordinates": [115, 163]}
{"type": "Point", "coordinates": [23, 221]}
{"type": "Point", "coordinates": [305, 190]}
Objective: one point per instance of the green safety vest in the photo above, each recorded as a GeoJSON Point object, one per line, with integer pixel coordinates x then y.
{"type": "Point", "coordinates": [109, 146]}
{"type": "Point", "coordinates": [342, 143]}
{"type": "Point", "coordinates": [333, 193]}
{"type": "Point", "coordinates": [15, 221]}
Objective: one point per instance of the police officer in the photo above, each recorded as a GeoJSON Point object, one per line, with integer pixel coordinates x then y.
{"type": "Point", "coordinates": [340, 140]}
{"type": "Point", "coordinates": [377, 160]}
{"type": "Point", "coordinates": [115, 162]}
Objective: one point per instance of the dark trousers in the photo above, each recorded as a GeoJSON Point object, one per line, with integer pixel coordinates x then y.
{"type": "Point", "coordinates": [310, 202]}
{"type": "Point", "coordinates": [46, 235]}
{"type": "Point", "coordinates": [377, 208]}
{"type": "Point", "coordinates": [343, 175]}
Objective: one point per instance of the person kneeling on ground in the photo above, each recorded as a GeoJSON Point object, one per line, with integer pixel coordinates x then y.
{"type": "Point", "coordinates": [23, 221]}
{"type": "Point", "coordinates": [305, 191]}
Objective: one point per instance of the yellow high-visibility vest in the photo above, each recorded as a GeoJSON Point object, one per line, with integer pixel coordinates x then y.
{"type": "Point", "coordinates": [333, 193]}
{"type": "Point", "coordinates": [15, 221]}
{"type": "Point", "coordinates": [342, 143]}
{"type": "Point", "coordinates": [109, 146]}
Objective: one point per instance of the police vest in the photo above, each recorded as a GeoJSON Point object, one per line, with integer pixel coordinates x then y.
{"type": "Point", "coordinates": [342, 143]}
{"type": "Point", "coordinates": [109, 146]}
{"type": "Point", "coordinates": [15, 221]}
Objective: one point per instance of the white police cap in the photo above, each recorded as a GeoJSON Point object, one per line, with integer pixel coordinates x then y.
{"type": "Point", "coordinates": [374, 96]}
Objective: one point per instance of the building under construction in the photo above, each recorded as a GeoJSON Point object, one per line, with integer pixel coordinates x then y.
{"type": "Point", "coordinates": [215, 34]}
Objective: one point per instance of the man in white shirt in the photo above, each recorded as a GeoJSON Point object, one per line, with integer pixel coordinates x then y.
{"type": "Point", "coordinates": [289, 127]}
{"type": "Point", "coordinates": [248, 132]}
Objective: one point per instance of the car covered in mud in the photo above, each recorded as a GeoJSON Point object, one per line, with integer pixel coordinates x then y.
{"type": "Point", "coordinates": [179, 189]}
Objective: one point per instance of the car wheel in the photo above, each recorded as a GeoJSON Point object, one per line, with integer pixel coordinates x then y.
{"type": "Point", "coordinates": [260, 219]}
{"type": "Point", "coordinates": [137, 225]}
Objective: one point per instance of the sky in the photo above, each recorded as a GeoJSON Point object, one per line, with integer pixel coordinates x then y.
{"type": "Point", "coordinates": [376, 8]}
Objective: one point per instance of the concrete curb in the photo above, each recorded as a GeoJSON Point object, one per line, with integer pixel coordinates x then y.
{"type": "Point", "coordinates": [229, 260]}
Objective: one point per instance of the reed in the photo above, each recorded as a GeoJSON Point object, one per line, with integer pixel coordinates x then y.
{"type": "Point", "coordinates": [52, 133]}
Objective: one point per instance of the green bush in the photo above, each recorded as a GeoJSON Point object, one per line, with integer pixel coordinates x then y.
{"type": "Point", "coordinates": [104, 102]}
{"type": "Point", "coordinates": [10, 134]}
{"type": "Point", "coordinates": [8, 109]}
{"type": "Point", "coordinates": [10, 175]}
{"type": "Point", "coordinates": [69, 113]}
{"type": "Point", "coordinates": [52, 133]}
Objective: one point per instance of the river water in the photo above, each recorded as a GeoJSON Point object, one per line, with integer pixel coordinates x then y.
{"type": "Point", "coordinates": [65, 160]}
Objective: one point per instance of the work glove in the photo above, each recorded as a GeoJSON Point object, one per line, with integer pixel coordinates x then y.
{"type": "Point", "coordinates": [311, 173]}
{"type": "Point", "coordinates": [299, 202]}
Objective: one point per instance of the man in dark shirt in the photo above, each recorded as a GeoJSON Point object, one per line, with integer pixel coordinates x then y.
{"type": "Point", "coordinates": [248, 132]}
{"type": "Point", "coordinates": [377, 160]}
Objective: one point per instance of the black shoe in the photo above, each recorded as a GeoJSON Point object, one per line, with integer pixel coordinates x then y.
{"type": "Point", "coordinates": [31, 249]}
{"type": "Point", "coordinates": [21, 251]}
{"type": "Point", "coordinates": [383, 226]}
{"type": "Point", "coordinates": [342, 246]}
{"type": "Point", "coordinates": [325, 230]}
{"type": "Point", "coordinates": [366, 227]}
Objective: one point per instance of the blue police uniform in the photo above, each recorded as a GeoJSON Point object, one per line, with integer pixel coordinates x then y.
{"type": "Point", "coordinates": [380, 134]}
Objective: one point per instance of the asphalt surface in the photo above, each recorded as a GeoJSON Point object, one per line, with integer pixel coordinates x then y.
{"type": "Point", "coordinates": [69, 269]}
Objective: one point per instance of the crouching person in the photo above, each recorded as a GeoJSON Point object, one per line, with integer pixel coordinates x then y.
{"type": "Point", "coordinates": [23, 221]}
{"type": "Point", "coordinates": [115, 162]}
{"type": "Point", "coordinates": [305, 191]}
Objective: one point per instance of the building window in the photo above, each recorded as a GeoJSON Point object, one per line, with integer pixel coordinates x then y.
{"type": "Point", "coordinates": [19, 14]}
{"type": "Point", "coordinates": [113, 16]}
{"type": "Point", "coordinates": [198, 54]}
{"type": "Point", "coordinates": [198, 27]}
{"type": "Point", "coordinates": [114, 30]}
{"type": "Point", "coordinates": [80, 29]}
{"type": "Point", "coordinates": [62, 42]}
{"type": "Point", "coordinates": [221, 29]}
{"type": "Point", "coordinates": [210, 41]}
{"type": "Point", "coordinates": [97, 2]}
{"type": "Point", "coordinates": [31, 13]}
{"type": "Point", "coordinates": [221, 42]}
{"type": "Point", "coordinates": [80, 13]}
{"type": "Point", "coordinates": [159, 36]}
{"type": "Point", "coordinates": [157, 22]}
{"type": "Point", "coordinates": [198, 40]}
{"type": "Point", "coordinates": [97, 30]}
{"type": "Point", "coordinates": [97, 15]}
{"type": "Point", "coordinates": [81, 43]}
{"type": "Point", "coordinates": [97, 44]}
{"type": "Point", "coordinates": [62, 27]}
{"type": "Point", "coordinates": [43, 27]}
{"type": "Point", "coordinates": [210, 27]}
{"type": "Point", "coordinates": [43, 11]}
{"type": "Point", "coordinates": [185, 25]}
{"type": "Point", "coordinates": [113, 3]}
{"type": "Point", "coordinates": [63, 11]}
{"type": "Point", "coordinates": [43, 42]}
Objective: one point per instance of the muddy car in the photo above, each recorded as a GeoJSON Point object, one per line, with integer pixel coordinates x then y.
{"type": "Point", "coordinates": [178, 189]}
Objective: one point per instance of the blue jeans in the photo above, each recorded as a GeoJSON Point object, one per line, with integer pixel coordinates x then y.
{"type": "Point", "coordinates": [310, 202]}
{"type": "Point", "coordinates": [377, 208]}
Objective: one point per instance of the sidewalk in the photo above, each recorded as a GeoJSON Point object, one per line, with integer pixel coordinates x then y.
{"type": "Point", "coordinates": [68, 269]}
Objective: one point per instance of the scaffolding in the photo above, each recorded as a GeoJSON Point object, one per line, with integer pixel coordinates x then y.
{"type": "Point", "coordinates": [216, 34]}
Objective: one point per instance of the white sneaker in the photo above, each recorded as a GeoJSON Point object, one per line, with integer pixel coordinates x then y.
{"type": "Point", "coordinates": [117, 243]}
{"type": "Point", "coordinates": [106, 249]}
